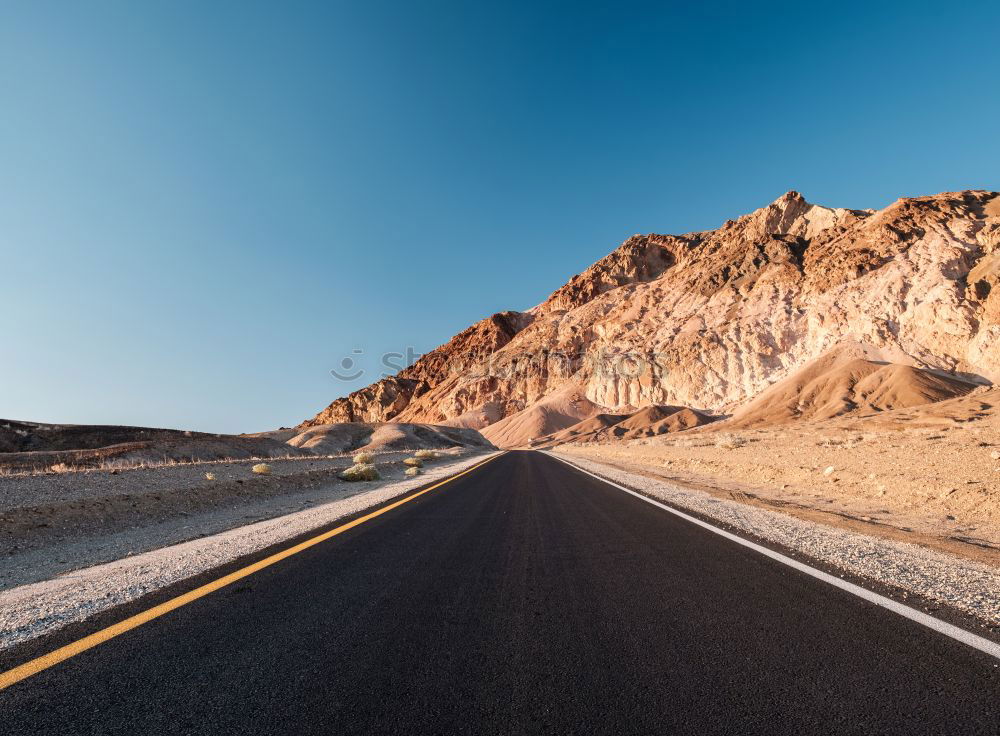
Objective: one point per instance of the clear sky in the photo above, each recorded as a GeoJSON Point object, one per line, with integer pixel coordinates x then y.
{"type": "Point", "coordinates": [205, 206]}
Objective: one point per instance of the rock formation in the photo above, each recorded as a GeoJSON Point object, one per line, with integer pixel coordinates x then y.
{"type": "Point", "coordinates": [710, 319]}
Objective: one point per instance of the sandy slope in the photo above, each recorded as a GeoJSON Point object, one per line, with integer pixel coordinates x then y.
{"type": "Point", "coordinates": [555, 412]}
{"type": "Point", "coordinates": [359, 436]}
{"type": "Point", "coordinates": [648, 422]}
{"type": "Point", "coordinates": [841, 382]}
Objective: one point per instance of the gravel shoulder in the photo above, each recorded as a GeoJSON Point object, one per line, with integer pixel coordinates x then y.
{"type": "Point", "coordinates": [97, 571]}
{"type": "Point", "coordinates": [969, 586]}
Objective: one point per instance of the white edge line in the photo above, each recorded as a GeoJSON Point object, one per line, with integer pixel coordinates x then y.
{"type": "Point", "coordinates": [949, 630]}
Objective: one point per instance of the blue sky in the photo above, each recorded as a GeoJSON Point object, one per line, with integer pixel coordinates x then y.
{"type": "Point", "coordinates": [205, 206]}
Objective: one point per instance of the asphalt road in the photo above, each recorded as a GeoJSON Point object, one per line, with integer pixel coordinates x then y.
{"type": "Point", "coordinates": [524, 597]}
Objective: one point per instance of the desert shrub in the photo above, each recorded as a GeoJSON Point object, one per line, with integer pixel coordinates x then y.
{"type": "Point", "coordinates": [364, 458]}
{"type": "Point", "coordinates": [425, 454]}
{"type": "Point", "coordinates": [729, 441]}
{"type": "Point", "coordinates": [413, 471]}
{"type": "Point", "coordinates": [261, 469]}
{"type": "Point", "coordinates": [414, 462]}
{"type": "Point", "coordinates": [61, 468]}
{"type": "Point", "coordinates": [360, 471]}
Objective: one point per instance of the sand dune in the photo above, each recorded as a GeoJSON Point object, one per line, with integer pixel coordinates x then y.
{"type": "Point", "coordinates": [657, 420]}
{"type": "Point", "coordinates": [647, 422]}
{"type": "Point", "coordinates": [555, 412]}
{"type": "Point", "coordinates": [839, 383]}
{"type": "Point", "coordinates": [584, 431]}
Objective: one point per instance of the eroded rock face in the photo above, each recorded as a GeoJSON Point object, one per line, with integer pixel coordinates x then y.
{"type": "Point", "coordinates": [710, 319]}
{"type": "Point", "coordinates": [388, 397]}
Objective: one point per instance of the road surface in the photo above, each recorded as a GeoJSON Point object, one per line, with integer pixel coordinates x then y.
{"type": "Point", "coordinates": [523, 597]}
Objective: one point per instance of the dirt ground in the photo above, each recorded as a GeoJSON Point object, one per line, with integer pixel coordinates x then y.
{"type": "Point", "coordinates": [45, 511]}
{"type": "Point", "coordinates": [929, 474]}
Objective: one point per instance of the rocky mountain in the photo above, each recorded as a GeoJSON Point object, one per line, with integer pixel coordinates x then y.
{"type": "Point", "coordinates": [710, 319]}
{"type": "Point", "coordinates": [389, 397]}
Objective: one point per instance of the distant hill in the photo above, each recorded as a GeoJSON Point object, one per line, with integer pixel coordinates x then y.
{"type": "Point", "coordinates": [651, 421]}
{"type": "Point", "coordinates": [710, 320]}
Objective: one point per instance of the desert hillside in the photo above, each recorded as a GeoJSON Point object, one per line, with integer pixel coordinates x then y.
{"type": "Point", "coordinates": [651, 421]}
{"type": "Point", "coordinates": [709, 320]}
{"type": "Point", "coordinates": [31, 447]}
{"type": "Point", "coordinates": [842, 382]}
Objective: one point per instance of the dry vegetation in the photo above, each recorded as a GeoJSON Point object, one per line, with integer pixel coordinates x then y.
{"type": "Point", "coordinates": [359, 472]}
{"type": "Point", "coordinates": [116, 466]}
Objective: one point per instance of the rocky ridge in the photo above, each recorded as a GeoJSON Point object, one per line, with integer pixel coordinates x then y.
{"type": "Point", "coordinates": [710, 319]}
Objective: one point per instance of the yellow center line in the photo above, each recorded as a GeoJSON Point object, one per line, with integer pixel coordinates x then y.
{"type": "Point", "coordinates": [34, 666]}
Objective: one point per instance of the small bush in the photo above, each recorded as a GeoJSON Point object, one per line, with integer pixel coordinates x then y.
{"type": "Point", "coordinates": [61, 468]}
{"type": "Point", "coordinates": [425, 454]}
{"type": "Point", "coordinates": [360, 471]}
{"type": "Point", "coordinates": [729, 441]}
{"type": "Point", "coordinates": [413, 471]}
{"type": "Point", "coordinates": [364, 458]}
{"type": "Point", "coordinates": [414, 462]}
{"type": "Point", "coordinates": [261, 469]}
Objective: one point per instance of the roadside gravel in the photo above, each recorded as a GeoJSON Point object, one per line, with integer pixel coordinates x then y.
{"type": "Point", "coordinates": [969, 586]}
{"type": "Point", "coordinates": [35, 609]}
